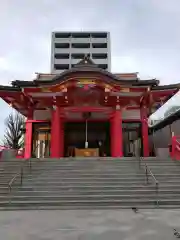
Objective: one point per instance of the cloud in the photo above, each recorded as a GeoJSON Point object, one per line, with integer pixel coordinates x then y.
{"type": "Point", "coordinates": [4, 64]}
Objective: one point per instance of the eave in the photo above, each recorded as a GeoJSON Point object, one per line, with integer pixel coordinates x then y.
{"type": "Point", "coordinates": [64, 76]}
{"type": "Point", "coordinates": [9, 88]}
{"type": "Point", "coordinates": [165, 87]}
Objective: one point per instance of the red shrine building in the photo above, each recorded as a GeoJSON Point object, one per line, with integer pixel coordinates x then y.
{"type": "Point", "coordinates": [86, 112]}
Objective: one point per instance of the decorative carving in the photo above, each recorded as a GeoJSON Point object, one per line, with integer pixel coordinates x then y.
{"type": "Point", "coordinates": [118, 107]}
{"type": "Point", "coordinates": [54, 107]}
{"type": "Point", "coordinates": [107, 90]}
{"type": "Point", "coordinates": [125, 90]}
{"type": "Point", "coordinates": [64, 90]}
{"type": "Point", "coordinates": [45, 89]}
{"type": "Point", "coordinates": [86, 84]}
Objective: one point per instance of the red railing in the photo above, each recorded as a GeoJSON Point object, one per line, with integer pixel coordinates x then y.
{"type": "Point", "coordinates": [175, 151]}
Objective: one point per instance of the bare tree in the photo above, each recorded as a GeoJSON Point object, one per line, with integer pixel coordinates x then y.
{"type": "Point", "coordinates": [14, 137]}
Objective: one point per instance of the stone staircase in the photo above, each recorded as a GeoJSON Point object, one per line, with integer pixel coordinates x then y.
{"type": "Point", "coordinates": [167, 173]}
{"type": "Point", "coordinates": [92, 183]}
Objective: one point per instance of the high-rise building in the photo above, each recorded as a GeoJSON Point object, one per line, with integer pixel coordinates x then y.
{"type": "Point", "coordinates": [68, 48]}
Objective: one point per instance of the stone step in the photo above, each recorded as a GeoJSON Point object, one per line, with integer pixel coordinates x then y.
{"type": "Point", "coordinates": [80, 203]}
{"type": "Point", "coordinates": [84, 159]}
{"type": "Point", "coordinates": [106, 170]}
{"type": "Point", "coordinates": [56, 182]}
{"type": "Point", "coordinates": [77, 180]}
{"type": "Point", "coordinates": [87, 207]}
{"type": "Point", "coordinates": [94, 202]}
{"type": "Point", "coordinates": [109, 173]}
{"type": "Point", "coordinates": [95, 166]}
{"type": "Point", "coordinates": [163, 166]}
{"type": "Point", "coordinates": [150, 192]}
{"type": "Point", "coordinates": [95, 186]}
{"type": "Point", "coordinates": [85, 182]}
{"type": "Point", "coordinates": [87, 178]}
{"type": "Point", "coordinates": [167, 170]}
{"type": "Point", "coordinates": [90, 171]}
{"type": "Point", "coordinates": [65, 175]}
{"type": "Point", "coordinates": [35, 160]}
{"type": "Point", "coordinates": [101, 158]}
{"type": "Point", "coordinates": [82, 187]}
{"type": "Point", "coordinates": [91, 183]}
{"type": "Point", "coordinates": [86, 170]}
{"type": "Point", "coordinates": [89, 198]}
{"type": "Point", "coordinates": [101, 161]}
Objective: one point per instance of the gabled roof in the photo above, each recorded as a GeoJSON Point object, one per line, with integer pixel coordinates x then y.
{"type": "Point", "coordinates": [86, 65]}
{"type": "Point", "coordinates": [85, 62]}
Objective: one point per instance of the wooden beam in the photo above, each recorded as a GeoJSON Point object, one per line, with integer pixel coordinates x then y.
{"type": "Point", "coordinates": [87, 109]}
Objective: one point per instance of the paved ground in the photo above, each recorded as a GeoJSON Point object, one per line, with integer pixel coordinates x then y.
{"type": "Point", "coordinates": [89, 225]}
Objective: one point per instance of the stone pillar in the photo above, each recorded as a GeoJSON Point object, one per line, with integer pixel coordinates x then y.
{"type": "Point", "coordinates": [57, 146]}
{"type": "Point", "coordinates": [145, 135]}
{"type": "Point", "coordinates": [116, 134]}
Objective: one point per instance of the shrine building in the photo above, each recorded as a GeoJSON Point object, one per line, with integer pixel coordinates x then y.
{"type": "Point", "coordinates": [86, 112]}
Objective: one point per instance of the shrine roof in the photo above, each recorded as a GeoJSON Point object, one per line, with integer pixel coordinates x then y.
{"type": "Point", "coordinates": [86, 65]}
{"type": "Point", "coordinates": [120, 76]}
{"type": "Point", "coordinates": [49, 79]}
{"type": "Point", "coordinates": [166, 87]}
{"type": "Point", "coordinates": [9, 88]}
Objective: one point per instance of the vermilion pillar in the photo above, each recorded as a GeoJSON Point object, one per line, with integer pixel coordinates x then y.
{"type": "Point", "coordinates": [145, 135]}
{"type": "Point", "coordinates": [57, 134]}
{"type": "Point", "coordinates": [116, 134]}
{"type": "Point", "coordinates": [28, 135]}
{"type": "Point", "coordinates": [28, 139]}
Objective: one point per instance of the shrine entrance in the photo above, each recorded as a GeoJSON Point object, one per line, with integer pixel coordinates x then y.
{"type": "Point", "coordinates": [132, 139]}
{"type": "Point", "coordinates": [87, 139]}
{"type": "Point", "coordinates": [41, 140]}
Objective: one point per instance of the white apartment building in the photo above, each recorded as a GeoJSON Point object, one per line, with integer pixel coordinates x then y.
{"type": "Point", "coordinates": [68, 48]}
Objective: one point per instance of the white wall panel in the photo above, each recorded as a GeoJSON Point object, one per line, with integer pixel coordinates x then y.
{"type": "Point", "coordinates": [131, 114]}
{"type": "Point", "coordinates": [42, 115]}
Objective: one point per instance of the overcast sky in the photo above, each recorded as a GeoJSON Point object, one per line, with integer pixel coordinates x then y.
{"type": "Point", "coordinates": [145, 35]}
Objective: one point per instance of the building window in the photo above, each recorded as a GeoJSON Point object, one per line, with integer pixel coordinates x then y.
{"type": "Point", "coordinates": [103, 66]}
{"type": "Point", "coordinates": [80, 35]}
{"type": "Point", "coordinates": [61, 56]}
{"type": "Point", "coordinates": [62, 35]}
{"type": "Point", "coordinates": [79, 55]}
{"type": "Point", "coordinates": [61, 66]}
{"type": "Point", "coordinates": [99, 55]}
{"type": "Point", "coordinates": [99, 45]}
{"type": "Point", "coordinates": [80, 45]}
{"type": "Point", "coordinates": [99, 35]}
{"type": "Point", "coordinates": [61, 45]}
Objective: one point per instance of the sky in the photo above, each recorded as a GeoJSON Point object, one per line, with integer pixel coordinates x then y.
{"type": "Point", "coordinates": [145, 36]}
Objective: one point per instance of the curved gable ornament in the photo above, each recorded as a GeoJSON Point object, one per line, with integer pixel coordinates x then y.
{"type": "Point", "coordinates": [84, 83]}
